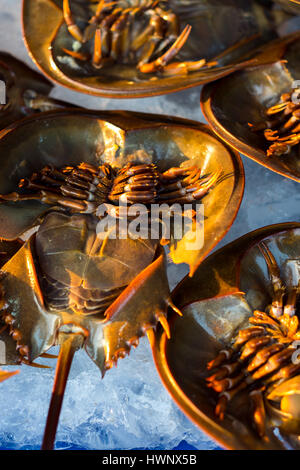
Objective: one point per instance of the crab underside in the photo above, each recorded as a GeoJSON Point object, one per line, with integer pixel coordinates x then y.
{"type": "Point", "coordinates": [264, 356]}
{"type": "Point", "coordinates": [282, 125]}
{"type": "Point", "coordinates": [240, 333]}
{"type": "Point", "coordinates": [263, 126]}
{"type": "Point", "coordinates": [75, 281]}
{"type": "Point", "coordinates": [144, 33]}
{"type": "Point", "coordinates": [140, 48]}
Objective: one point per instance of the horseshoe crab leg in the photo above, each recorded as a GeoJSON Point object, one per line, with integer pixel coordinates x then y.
{"type": "Point", "coordinates": [48, 197]}
{"type": "Point", "coordinates": [97, 49]}
{"type": "Point", "coordinates": [152, 39]}
{"type": "Point", "coordinates": [162, 61]}
{"type": "Point", "coordinates": [97, 18]}
{"type": "Point", "coordinates": [125, 39]}
{"type": "Point", "coordinates": [191, 192]}
{"type": "Point", "coordinates": [283, 147]}
{"type": "Point", "coordinates": [100, 8]}
{"type": "Point", "coordinates": [278, 287]}
{"type": "Point", "coordinates": [283, 128]}
{"type": "Point", "coordinates": [105, 26]}
{"type": "Point", "coordinates": [183, 68]}
{"type": "Point", "coordinates": [117, 29]}
{"type": "Point", "coordinates": [71, 25]}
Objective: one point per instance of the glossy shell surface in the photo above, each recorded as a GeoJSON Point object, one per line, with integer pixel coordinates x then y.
{"type": "Point", "coordinates": [233, 102]}
{"type": "Point", "coordinates": [19, 79]}
{"type": "Point", "coordinates": [70, 137]}
{"type": "Point", "coordinates": [209, 38]}
{"type": "Point", "coordinates": [214, 308]}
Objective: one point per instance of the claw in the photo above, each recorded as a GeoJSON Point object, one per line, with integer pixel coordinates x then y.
{"type": "Point", "coordinates": [184, 68]}
{"type": "Point", "coordinates": [101, 6]}
{"type": "Point", "coordinates": [219, 375]}
{"type": "Point", "coordinates": [278, 149]}
{"type": "Point", "coordinates": [227, 383]}
{"type": "Point", "coordinates": [253, 345]}
{"type": "Point", "coordinates": [96, 19]}
{"type": "Point", "coordinates": [116, 32]}
{"type": "Point", "coordinates": [262, 318]}
{"type": "Point", "coordinates": [223, 372]}
{"type": "Point", "coordinates": [204, 188]}
{"type": "Point", "coordinates": [274, 363]}
{"type": "Point", "coordinates": [105, 26]}
{"type": "Point", "coordinates": [150, 38]}
{"type": "Point", "coordinates": [277, 108]}
{"type": "Point", "coordinates": [223, 355]}
{"type": "Point", "coordinates": [246, 334]}
{"type": "Point", "coordinates": [188, 192]}
{"type": "Point", "coordinates": [263, 355]}
{"type": "Point", "coordinates": [72, 27]}
{"type": "Point", "coordinates": [283, 130]}
{"type": "Point", "coordinates": [162, 61]}
{"type": "Point", "coordinates": [285, 373]}
{"type": "Point", "coordinates": [175, 172]}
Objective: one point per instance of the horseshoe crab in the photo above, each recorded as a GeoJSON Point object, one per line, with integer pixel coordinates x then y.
{"type": "Point", "coordinates": [222, 307]}
{"type": "Point", "coordinates": [238, 105]}
{"type": "Point", "coordinates": [26, 91]}
{"type": "Point", "coordinates": [64, 284]}
{"type": "Point", "coordinates": [78, 52]}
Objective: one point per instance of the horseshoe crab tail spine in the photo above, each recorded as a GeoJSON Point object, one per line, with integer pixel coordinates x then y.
{"type": "Point", "coordinates": [69, 346]}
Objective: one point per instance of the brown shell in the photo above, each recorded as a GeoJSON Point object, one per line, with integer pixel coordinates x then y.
{"type": "Point", "coordinates": [248, 20]}
{"type": "Point", "coordinates": [216, 303]}
{"type": "Point", "coordinates": [18, 78]}
{"type": "Point", "coordinates": [233, 102]}
{"type": "Point", "coordinates": [70, 137]}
